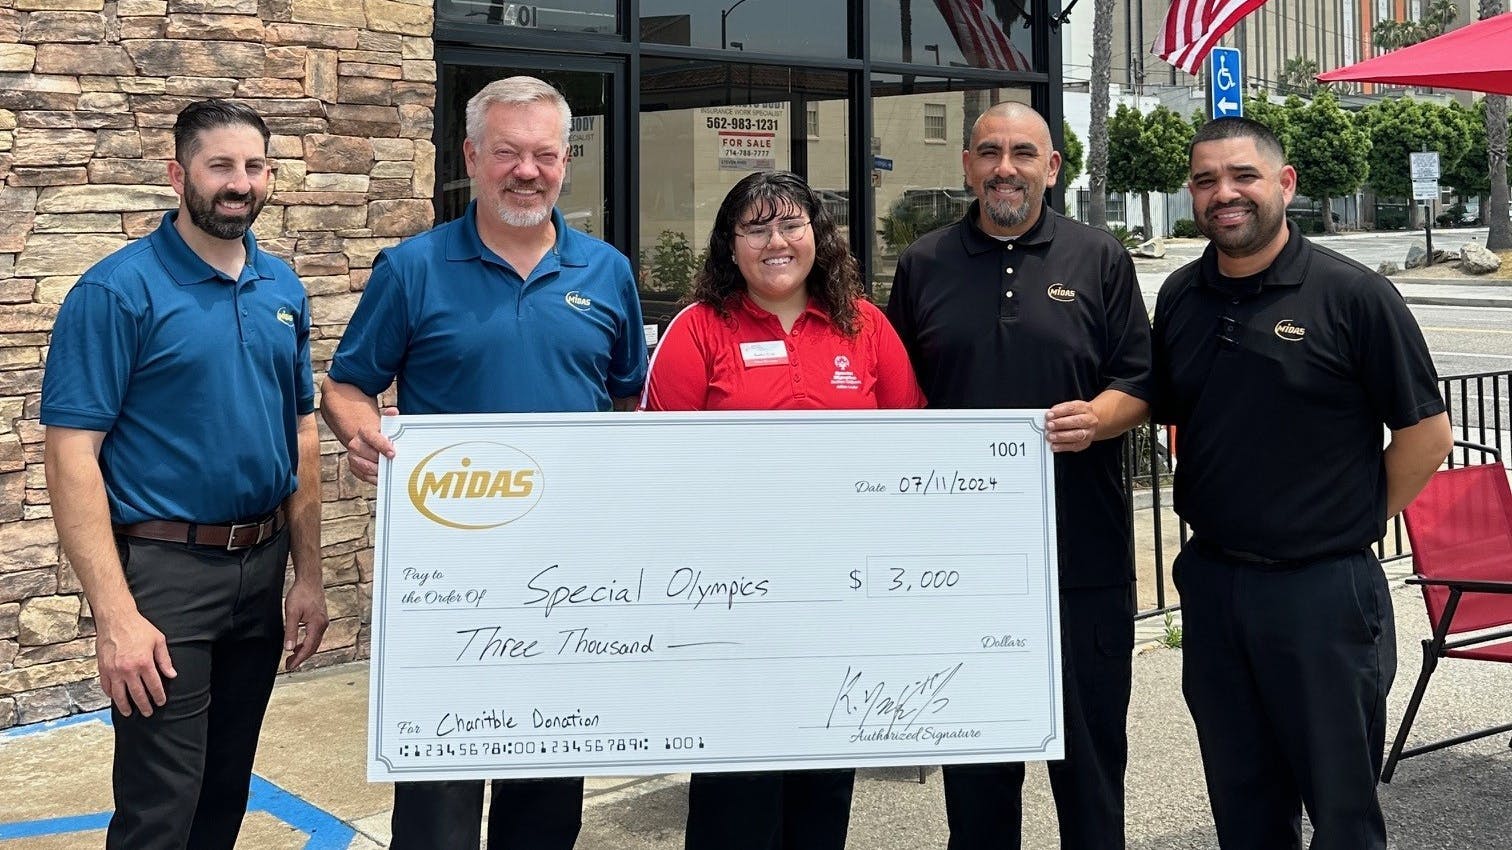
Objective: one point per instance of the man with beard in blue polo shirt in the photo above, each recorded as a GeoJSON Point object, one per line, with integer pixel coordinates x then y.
{"type": "Point", "coordinates": [184, 470]}
{"type": "Point", "coordinates": [504, 310]}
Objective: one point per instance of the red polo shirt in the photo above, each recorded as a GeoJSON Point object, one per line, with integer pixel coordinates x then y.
{"type": "Point", "coordinates": [747, 362]}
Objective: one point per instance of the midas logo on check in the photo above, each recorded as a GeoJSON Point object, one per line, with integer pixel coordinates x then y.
{"type": "Point", "coordinates": [475, 485]}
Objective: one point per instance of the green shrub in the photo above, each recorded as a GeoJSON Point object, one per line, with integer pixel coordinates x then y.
{"type": "Point", "coordinates": [1185, 228]}
{"type": "Point", "coordinates": [905, 223]}
{"type": "Point", "coordinates": [673, 264]}
{"type": "Point", "coordinates": [1129, 238]}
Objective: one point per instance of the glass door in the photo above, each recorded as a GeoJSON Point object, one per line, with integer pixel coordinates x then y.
{"type": "Point", "coordinates": [591, 88]}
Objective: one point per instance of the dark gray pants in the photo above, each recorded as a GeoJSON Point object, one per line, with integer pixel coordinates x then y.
{"type": "Point", "coordinates": [523, 814]}
{"type": "Point", "coordinates": [779, 810]}
{"type": "Point", "coordinates": [1285, 670]}
{"type": "Point", "coordinates": [983, 802]}
{"type": "Point", "coordinates": [181, 776]}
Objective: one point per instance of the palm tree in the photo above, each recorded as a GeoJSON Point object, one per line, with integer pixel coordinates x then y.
{"type": "Point", "coordinates": [1500, 237]}
{"type": "Point", "coordinates": [1435, 20]}
{"type": "Point", "coordinates": [1097, 130]}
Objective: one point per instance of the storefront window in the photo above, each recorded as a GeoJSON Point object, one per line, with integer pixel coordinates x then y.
{"type": "Point", "coordinates": [704, 126]}
{"type": "Point", "coordinates": [796, 27]}
{"type": "Point", "coordinates": [953, 33]}
{"type": "Point", "coordinates": [918, 187]}
{"type": "Point", "coordinates": [596, 16]}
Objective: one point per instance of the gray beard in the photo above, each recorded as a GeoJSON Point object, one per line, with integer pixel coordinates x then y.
{"type": "Point", "coordinates": [521, 218]}
{"type": "Point", "coordinates": [1007, 215]}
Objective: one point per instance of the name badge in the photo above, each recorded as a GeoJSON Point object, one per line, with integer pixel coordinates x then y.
{"type": "Point", "coordinates": [772, 353]}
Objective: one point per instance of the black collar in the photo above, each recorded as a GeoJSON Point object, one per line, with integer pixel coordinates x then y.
{"type": "Point", "coordinates": [979, 242]}
{"type": "Point", "coordinates": [1288, 269]}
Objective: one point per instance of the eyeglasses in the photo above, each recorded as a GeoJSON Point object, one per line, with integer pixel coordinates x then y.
{"type": "Point", "coordinates": [1228, 333]}
{"type": "Point", "coordinates": [759, 236]}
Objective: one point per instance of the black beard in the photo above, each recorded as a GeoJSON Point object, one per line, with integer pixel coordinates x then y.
{"type": "Point", "coordinates": [1248, 240]}
{"type": "Point", "coordinates": [202, 213]}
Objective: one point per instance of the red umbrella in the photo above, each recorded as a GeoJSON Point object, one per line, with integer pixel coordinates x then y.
{"type": "Point", "coordinates": [1477, 57]}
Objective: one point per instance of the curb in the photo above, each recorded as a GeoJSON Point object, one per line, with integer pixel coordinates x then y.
{"type": "Point", "coordinates": [1453, 301]}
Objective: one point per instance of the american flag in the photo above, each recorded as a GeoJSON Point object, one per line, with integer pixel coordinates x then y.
{"type": "Point", "coordinates": [1192, 27]}
{"type": "Point", "coordinates": [981, 39]}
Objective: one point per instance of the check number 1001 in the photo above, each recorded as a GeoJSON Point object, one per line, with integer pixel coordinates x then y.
{"type": "Point", "coordinates": [1006, 449]}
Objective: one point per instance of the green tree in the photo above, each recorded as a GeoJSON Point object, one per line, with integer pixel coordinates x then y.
{"type": "Point", "coordinates": [1495, 208]}
{"type": "Point", "coordinates": [1071, 157]}
{"type": "Point", "coordinates": [1124, 131]}
{"type": "Point", "coordinates": [1330, 151]}
{"type": "Point", "coordinates": [1147, 153]}
{"type": "Point", "coordinates": [1097, 128]}
{"type": "Point", "coordinates": [1401, 126]}
{"type": "Point", "coordinates": [1471, 176]}
{"type": "Point", "coordinates": [1277, 116]}
{"type": "Point", "coordinates": [1300, 76]}
{"type": "Point", "coordinates": [1390, 35]}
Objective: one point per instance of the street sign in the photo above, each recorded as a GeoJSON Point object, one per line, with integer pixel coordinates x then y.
{"type": "Point", "coordinates": [1425, 165]}
{"type": "Point", "coordinates": [1225, 83]}
{"type": "Point", "coordinates": [882, 163]}
{"type": "Point", "coordinates": [1425, 190]}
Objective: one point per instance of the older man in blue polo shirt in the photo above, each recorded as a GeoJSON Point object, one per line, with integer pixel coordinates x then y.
{"type": "Point", "coordinates": [184, 469]}
{"type": "Point", "coordinates": [504, 310]}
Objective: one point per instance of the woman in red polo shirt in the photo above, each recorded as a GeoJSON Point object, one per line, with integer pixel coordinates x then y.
{"type": "Point", "coordinates": [778, 321]}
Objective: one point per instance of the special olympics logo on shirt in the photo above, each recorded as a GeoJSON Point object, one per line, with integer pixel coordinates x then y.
{"type": "Point", "coordinates": [475, 485]}
{"type": "Point", "coordinates": [578, 302]}
{"type": "Point", "coordinates": [844, 378]}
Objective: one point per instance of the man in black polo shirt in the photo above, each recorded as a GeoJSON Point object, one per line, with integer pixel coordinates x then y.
{"type": "Point", "coordinates": [1279, 362]}
{"type": "Point", "coordinates": [1018, 306]}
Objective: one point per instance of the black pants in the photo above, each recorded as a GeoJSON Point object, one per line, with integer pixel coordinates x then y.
{"type": "Point", "coordinates": [523, 814]}
{"type": "Point", "coordinates": [787, 810]}
{"type": "Point", "coordinates": [983, 803]}
{"type": "Point", "coordinates": [1286, 673]}
{"type": "Point", "coordinates": [181, 776]}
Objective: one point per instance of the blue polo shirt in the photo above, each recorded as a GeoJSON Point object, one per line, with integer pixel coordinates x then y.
{"type": "Point", "coordinates": [196, 380]}
{"type": "Point", "coordinates": [464, 333]}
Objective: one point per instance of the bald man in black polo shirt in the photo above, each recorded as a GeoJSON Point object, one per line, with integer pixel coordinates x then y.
{"type": "Point", "coordinates": [1018, 306]}
{"type": "Point", "coordinates": [1280, 362]}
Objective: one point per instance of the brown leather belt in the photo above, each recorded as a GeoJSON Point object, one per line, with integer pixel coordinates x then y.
{"type": "Point", "coordinates": [237, 535]}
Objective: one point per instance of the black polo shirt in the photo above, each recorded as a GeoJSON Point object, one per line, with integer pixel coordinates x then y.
{"type": "Point", "coordinates": [1054, 315]}
{"type": "Point", "coordinates": [1279, 385]}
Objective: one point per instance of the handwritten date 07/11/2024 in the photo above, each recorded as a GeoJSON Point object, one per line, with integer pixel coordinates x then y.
{"type": "Point", "coordinates": [951, 482]}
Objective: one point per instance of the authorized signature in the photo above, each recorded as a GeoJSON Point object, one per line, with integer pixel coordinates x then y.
{"type": "Point", "coordinates": [861, 702]}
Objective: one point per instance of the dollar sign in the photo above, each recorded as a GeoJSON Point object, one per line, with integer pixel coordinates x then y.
{"type": "Point", "coordinates": [855, 579]}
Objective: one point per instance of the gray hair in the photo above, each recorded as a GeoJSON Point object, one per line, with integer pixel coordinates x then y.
{"type": "Point", "coordinates": [514, 90]}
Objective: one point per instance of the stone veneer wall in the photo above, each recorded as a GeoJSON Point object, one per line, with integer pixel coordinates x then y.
{"type": "Point", "coordinates": [88, 94]}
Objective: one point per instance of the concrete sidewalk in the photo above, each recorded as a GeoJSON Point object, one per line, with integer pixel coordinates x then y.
{"type": "Point", "coordinates": [1448, 290]}
{"type": "Point", "coordinates": [310, 790]}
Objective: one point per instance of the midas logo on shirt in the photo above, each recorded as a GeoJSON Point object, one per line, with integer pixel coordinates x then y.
{"type": "Point", "coordinates": [1290, 330]}
{"type": "Point", "coordinates": [578, 302]}
{"type": "Point", "coordinates": [286, 316]}
{"type": "Point", "coordinates": [475, 485]}
{"type": "Point", "coordinates": [1061, 292]}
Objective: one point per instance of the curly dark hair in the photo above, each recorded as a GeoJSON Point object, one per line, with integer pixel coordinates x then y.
{"type": "Point", "coordinates": [834, 283]}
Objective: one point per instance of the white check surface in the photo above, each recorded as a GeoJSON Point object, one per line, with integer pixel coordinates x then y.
{"type": "Point", "coordinates": [588, 594]}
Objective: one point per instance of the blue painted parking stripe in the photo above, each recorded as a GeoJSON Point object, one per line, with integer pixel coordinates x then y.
{"type": "Point", "coordinates": [326, 831]}
{"type": "Point", "coordinates": [54, 826]}
{"type": "Point", "coordinates": [102, 716]}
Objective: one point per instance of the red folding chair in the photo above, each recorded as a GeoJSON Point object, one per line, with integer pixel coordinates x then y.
{"type": "Point", "coordinates": [1460, 527]}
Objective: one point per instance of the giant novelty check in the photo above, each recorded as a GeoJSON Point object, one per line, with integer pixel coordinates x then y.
{"type": "Point", "coordinates": [582, 594]}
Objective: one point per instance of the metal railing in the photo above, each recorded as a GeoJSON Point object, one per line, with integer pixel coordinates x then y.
{"type": "Point", "coordinates": [1478, 408]}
